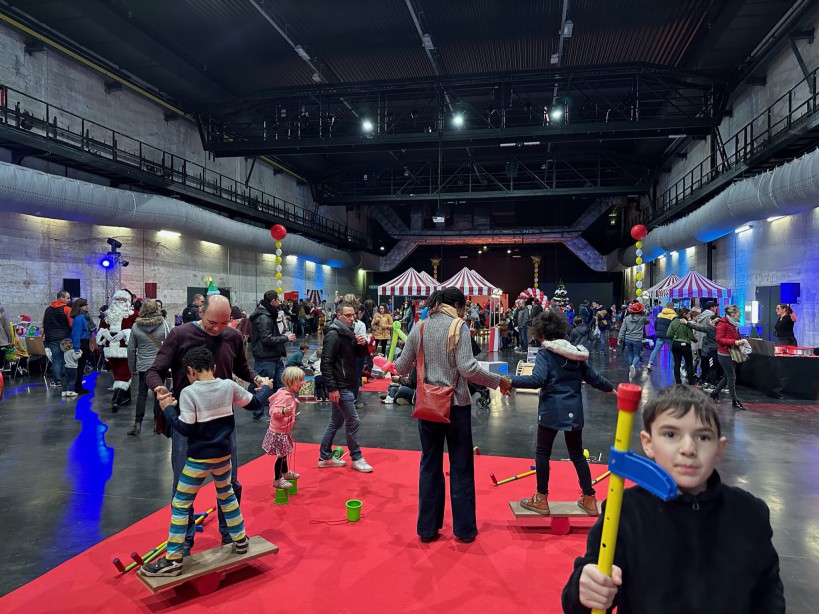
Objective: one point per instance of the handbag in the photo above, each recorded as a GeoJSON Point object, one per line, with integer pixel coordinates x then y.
{"type": "Point", "coordinates": [737, 355]}
{"type": "Point", "coordinates": [432, 402]}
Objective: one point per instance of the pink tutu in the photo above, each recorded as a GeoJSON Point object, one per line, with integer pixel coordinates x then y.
{"type": "Point", "coordinates": [277, 444]}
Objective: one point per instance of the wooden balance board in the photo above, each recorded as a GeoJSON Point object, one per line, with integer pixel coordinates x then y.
{"type": "Point", "coordinates": [559, 514]}
{"type": "Point", "coordinates": [205, 570]}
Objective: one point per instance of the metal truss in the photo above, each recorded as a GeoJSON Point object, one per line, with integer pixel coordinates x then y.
{"type": "Point", "coordinates": [629, 101]}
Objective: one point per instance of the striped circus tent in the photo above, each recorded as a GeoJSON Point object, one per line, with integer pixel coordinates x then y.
{"type": "Point", "coordinates": [535, 293]}
{"type": "Point", "coordinates": [409, 283]}
{"type": "Point", "coordinates": [315, 296]}
{"type": "Point", "coordinates": [469, 282]}
{"type": "Point", "coordinates": [694, 285]}
{"type": "Point", "coordinates": [434, 283]}
{"type": "Point", "coordinates": [660, 290]}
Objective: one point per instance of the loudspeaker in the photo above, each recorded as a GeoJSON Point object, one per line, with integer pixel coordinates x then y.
{"type": "Point", "coordinates": [789, 293]}
{"type": "Point", "coordinates": [72, 286]}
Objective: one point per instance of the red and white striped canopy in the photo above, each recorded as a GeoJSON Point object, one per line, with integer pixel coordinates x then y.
{"type": "Point", "coordinates": [660, 290]}
{"type": "Point", "coordinates": [315, 296]}
{"type": "Point", "coordinates": [434, 283]}
{"type": "Point", "coordinates": [469, 282]}
{"type": "Point", "coordinates": [694, 285]}
{"type": "Point", "coordinates": [409, 283]}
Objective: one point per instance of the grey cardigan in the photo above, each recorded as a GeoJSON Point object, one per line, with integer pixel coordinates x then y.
{"type": "Point", "coordinates": [441, 366]}
{"type": "Point", "coordinates": [632, 328]}
{"type": "Point", "coordinates": [141, 349]}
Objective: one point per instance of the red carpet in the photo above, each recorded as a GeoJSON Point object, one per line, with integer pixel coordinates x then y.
{"type": "Point", "coordinates": [376, 565]}
{"type": "Point", "coordinates": [377, 385]}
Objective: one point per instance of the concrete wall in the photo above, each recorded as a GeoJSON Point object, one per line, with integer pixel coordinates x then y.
{"type": "Point", "coordinates": [61, 81]}
{"type": "Point", "coordinates": [771, 253]}
{"type": "Point", "coordinates": [36, 254]}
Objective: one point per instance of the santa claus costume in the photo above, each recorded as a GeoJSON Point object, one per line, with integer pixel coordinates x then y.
{"type": "Point", "coordinates": [112, 337]}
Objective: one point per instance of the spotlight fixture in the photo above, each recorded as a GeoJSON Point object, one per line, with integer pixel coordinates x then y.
{"type": "Point", "coordinates": [508, 251]}
{"type": "Point", "coordinates": [106, 263]}
{"type": "Point", "coordinates": [367, 125]}
{"type": "Point", "coordinates": [556, 113]}
{"type": "Point", "coordinates": [381, 248]}
{"type": "Point", "coordinates": [115, 245]}
{"type": "Point", "coordinates": [458, 120]}
{"type": "Point", "coordinates": [124, 263]}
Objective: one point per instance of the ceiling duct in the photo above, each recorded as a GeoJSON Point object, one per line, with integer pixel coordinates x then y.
{"type": "Point", "coordinates": [786, 190]}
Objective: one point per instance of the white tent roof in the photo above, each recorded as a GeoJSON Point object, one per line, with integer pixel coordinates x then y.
{"type": "Point", "coordinates": [660, 290]}
{"type": "Point", "coordinates": [409, 283]}
{"type": "Point", "coordinates": [469, 282]}
{"type": "Point", "coordinates": [694, 285]}
{"type": "Point", "coordinates": [434, 283]}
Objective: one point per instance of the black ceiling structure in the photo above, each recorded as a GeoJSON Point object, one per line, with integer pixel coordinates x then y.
{"type": "Point", "coordinates": [561, 102]}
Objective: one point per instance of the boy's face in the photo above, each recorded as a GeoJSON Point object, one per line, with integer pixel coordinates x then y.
{"type": "Point", "coordinates": [685, 447]}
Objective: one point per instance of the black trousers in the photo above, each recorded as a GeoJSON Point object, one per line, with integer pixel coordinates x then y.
{"type": "Point", "coordinates": [681, 350]}
{"type": "Point", "coordinates": [142, 397]}
{"type": "Point", "coordinates": [81, 362]}
{"type": "Point", "coordinates": [543, 451]}
{"type": "Point", "coordinates": [729, 376]}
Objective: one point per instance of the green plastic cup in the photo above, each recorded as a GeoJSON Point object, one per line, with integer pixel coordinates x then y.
{"type": "Point", "coordinates": [338, 452]}
{"type": "Point", "coordinates": [281, 497]}
{"type": "Point", "coordinates": [294, 489]}
{"type": "Point", "coordinates": [354, 510]}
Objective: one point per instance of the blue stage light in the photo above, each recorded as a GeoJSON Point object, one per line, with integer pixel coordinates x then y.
{"type": "Point", "coordinates": [106, 263]}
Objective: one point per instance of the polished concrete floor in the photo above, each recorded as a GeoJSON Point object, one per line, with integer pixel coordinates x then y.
{"type": "Point", "coordinates": [71, 477]}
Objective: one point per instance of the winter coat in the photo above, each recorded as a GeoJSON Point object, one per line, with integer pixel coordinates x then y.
{"type": "Point", "coordinates": [559, 370]}
{"type": "Point", "coordinates": [703, 320]}
{"type": "Point", "coordinates": [603, 319]}
{"type": "Point", "coordinates": [191, 314]}
{"type": "Point", "coordinates": [382, 325]}
{"type": "Point", "coordinates": [266, 339]}
{"type": "Point", "coordinates": [79, 330]}
{"type": "Point", "coordinates": [677, 331]}
{"type": "Point", "coordinates": [726, 336]}
{"type": "Point", "coordinates": [57, 322]}
{"type": "Point", "coordinates": [709, 336]}
{"type": "Point", "coordinates": [663, 321]}
{"type": "Point", "coordinates": [632, 328]}
{"type": "Point", "coordinates": [280, 422]}
{"type": "Point", "coordinates": [338, 354]}
{"type": "Point", "coordinates": [581, 335]}
{"type": "Point", "coordinates": [141, 348]}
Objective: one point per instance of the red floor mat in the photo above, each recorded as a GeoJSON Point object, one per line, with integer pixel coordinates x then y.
{"type": "Point", "coordinates": [375, 565]}
{"type": "Point", "coordinates": [376, 385]}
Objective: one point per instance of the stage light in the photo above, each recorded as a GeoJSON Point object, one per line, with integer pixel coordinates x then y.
{"type": "Point", "coordinates": [367, 125]}
{"type": "Point", "coordinates": [458, 120]}
{"type": "Point", "coordinates": [556, 113]}
{"type": "Point", "coordinates": [124, 263]}
{"type": "Point", "coordinates": [115, 245]}
{"type": "Point", "coordinates": [107, 263]}
{"type": "Point", "coordinates": [508, 251]}
{"type": "Point", "coordinates": [381, 248]}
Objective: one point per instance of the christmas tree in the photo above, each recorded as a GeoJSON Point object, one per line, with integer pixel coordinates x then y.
{"type": "Point", "coordinates": [560, 297]}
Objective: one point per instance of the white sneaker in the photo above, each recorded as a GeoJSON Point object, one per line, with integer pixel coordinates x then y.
{"type": "Point", "coordinates": [291, 475]}
{"type": "Point", "coordinates": [70, 393]}
{"type": "Point", "coordinates": [362, 466]}
{"type": "Point", "coordinates": [282, 483]}
{"type": "Point", "coordinates": [63, 394]}
{"type": "Point", "coordinates": [632, 371]}
{"type": "Point", "coordinates": [648, 366]}
{"type": "Point", "coordinates": [389, 400]}
{"type": "Point", "coordinates": [332, 462]}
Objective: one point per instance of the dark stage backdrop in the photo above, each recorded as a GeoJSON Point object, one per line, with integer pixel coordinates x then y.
{"type": "Point", "coordinates": [513, 275]}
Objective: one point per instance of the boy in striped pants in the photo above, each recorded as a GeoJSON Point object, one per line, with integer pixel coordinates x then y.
{"type": "Point", "coordinates": [206, 418]}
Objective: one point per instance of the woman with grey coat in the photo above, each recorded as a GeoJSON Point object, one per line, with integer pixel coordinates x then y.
{"type": "Point", "coordinates": [146, 338]}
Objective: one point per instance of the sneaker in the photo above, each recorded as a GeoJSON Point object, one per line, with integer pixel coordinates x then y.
{"type": "Point", "coordinates": [632, 371]}
{"type": "Point", "coordinates": [55, 384]}
{"type": "Point", "coordinates": [291, 475]}
{"type": "Point", "coordinates": [70, 393]}
{"type": "Point", "coordinates": [388, 400]}
{"type": "Point", "coordinates": [588, 503]}
{"type": "Point", "coordinates": [332, 462]}
{"type": "Point", "coordinates": [160, 568]}
{"type": "Point", "coordinates": [362, 466]}
{"type": "Point", "coordinates": [282, 483]}
{"type": "Point", "coordinates": [241, 546]}
{"type": "Point", "coordinates": [63, 394]}
{"type": "Point", "coordinates": [648, 366]}
{"type": "Point", "coordinates": [536, 503]}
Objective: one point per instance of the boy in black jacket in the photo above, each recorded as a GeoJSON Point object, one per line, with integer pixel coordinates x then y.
{"type": "Point", "coordinates": [709, 550]}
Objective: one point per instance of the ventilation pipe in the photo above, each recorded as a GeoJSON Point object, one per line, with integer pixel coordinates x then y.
{"type": "Point", "coordinates": [786, 190]}
{"type": "Point", "coordinates": [32, 192]}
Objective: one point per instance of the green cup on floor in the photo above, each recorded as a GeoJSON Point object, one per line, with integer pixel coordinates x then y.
{"type": "Point", "coordinates": [281, 497]}
{"type": "Point", "coordinates": [354, 510]}
{"type": "Point", "coordinates": [338, 452]}
{"type": "Point", "coordinates": [294, 489]}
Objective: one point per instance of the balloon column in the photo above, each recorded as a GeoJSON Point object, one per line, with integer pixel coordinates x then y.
{"type": "Point", "coordinates": [638, 233]}
{"type": "Point", "coordinates": [435, 262]}
{"type": "Point", "coordinates": [278, 232]}
{"type": "Point", "coordinates": [536, 263]}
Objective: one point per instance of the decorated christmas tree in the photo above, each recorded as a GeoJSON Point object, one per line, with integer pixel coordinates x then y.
{"type": "Point", "coordinates": [560, 297]}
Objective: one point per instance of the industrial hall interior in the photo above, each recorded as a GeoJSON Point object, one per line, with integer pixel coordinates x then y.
{"type": "Point", "coordinates": [461, 305]}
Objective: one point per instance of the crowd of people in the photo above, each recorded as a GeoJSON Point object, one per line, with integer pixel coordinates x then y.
{"type": "Point", "coordinates": [199, 369]}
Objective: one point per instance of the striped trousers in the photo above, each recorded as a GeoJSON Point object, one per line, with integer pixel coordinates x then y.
{"type": "Point", "coordinates": [191, 480]}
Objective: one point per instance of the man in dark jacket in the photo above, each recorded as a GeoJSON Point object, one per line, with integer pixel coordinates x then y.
{"type": "Point", "coordinates": [338, 368]}
{"type": "Point", "coordinates": [192, 311]}
{"type": "Point", "coordinates": [267, 342]}
{"type": "Point", "coordinates": [56, 327]}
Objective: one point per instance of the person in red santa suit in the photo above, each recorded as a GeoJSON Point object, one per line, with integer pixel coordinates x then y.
{"type": "Point", "coordinates": [112, 337]}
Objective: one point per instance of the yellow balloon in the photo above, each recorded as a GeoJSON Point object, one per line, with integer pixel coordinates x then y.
{"type": "Point", "coordinates": [278, 244]}
{"type": "Point", "coordinates": [639, 277]}
{"type": "Point", "coordinates": [278, 259]}
{"type": "Point", "coordinates": [278, 275]}
{"type": "Point", "coordinates": [639, 260]}
{"type": "Point", "coordinates": [535, 285]}
{"type": "Point", "coordinates": [639, 292]}
{"type": "Point", "coordinates": [639, 245]}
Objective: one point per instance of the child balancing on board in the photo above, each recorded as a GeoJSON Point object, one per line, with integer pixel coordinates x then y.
{"type": "Point", "coordinates": [277, 441]}
{"type": "Point", "coordinates": [560, 368]}
{"type": "Point", "coordinates": [707, 551]}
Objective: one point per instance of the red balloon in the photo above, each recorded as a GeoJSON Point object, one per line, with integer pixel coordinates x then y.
{"type": "Point", "coordinates": [278, 232]}
{"type": "Point", "coordinates": [638, 232]}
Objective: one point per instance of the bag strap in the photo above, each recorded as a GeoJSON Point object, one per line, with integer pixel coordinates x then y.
{"type": "Point", "coordinates": [156, 343]}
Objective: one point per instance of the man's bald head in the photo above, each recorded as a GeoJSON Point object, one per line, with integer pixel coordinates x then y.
{"type": "Point", "coordinates": [215, 314]}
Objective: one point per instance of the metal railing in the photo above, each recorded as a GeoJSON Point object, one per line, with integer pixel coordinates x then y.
{"type": "Point", "coordinates": [21, 112]}
{"type": "Point", "coordinates": [751, 141]}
